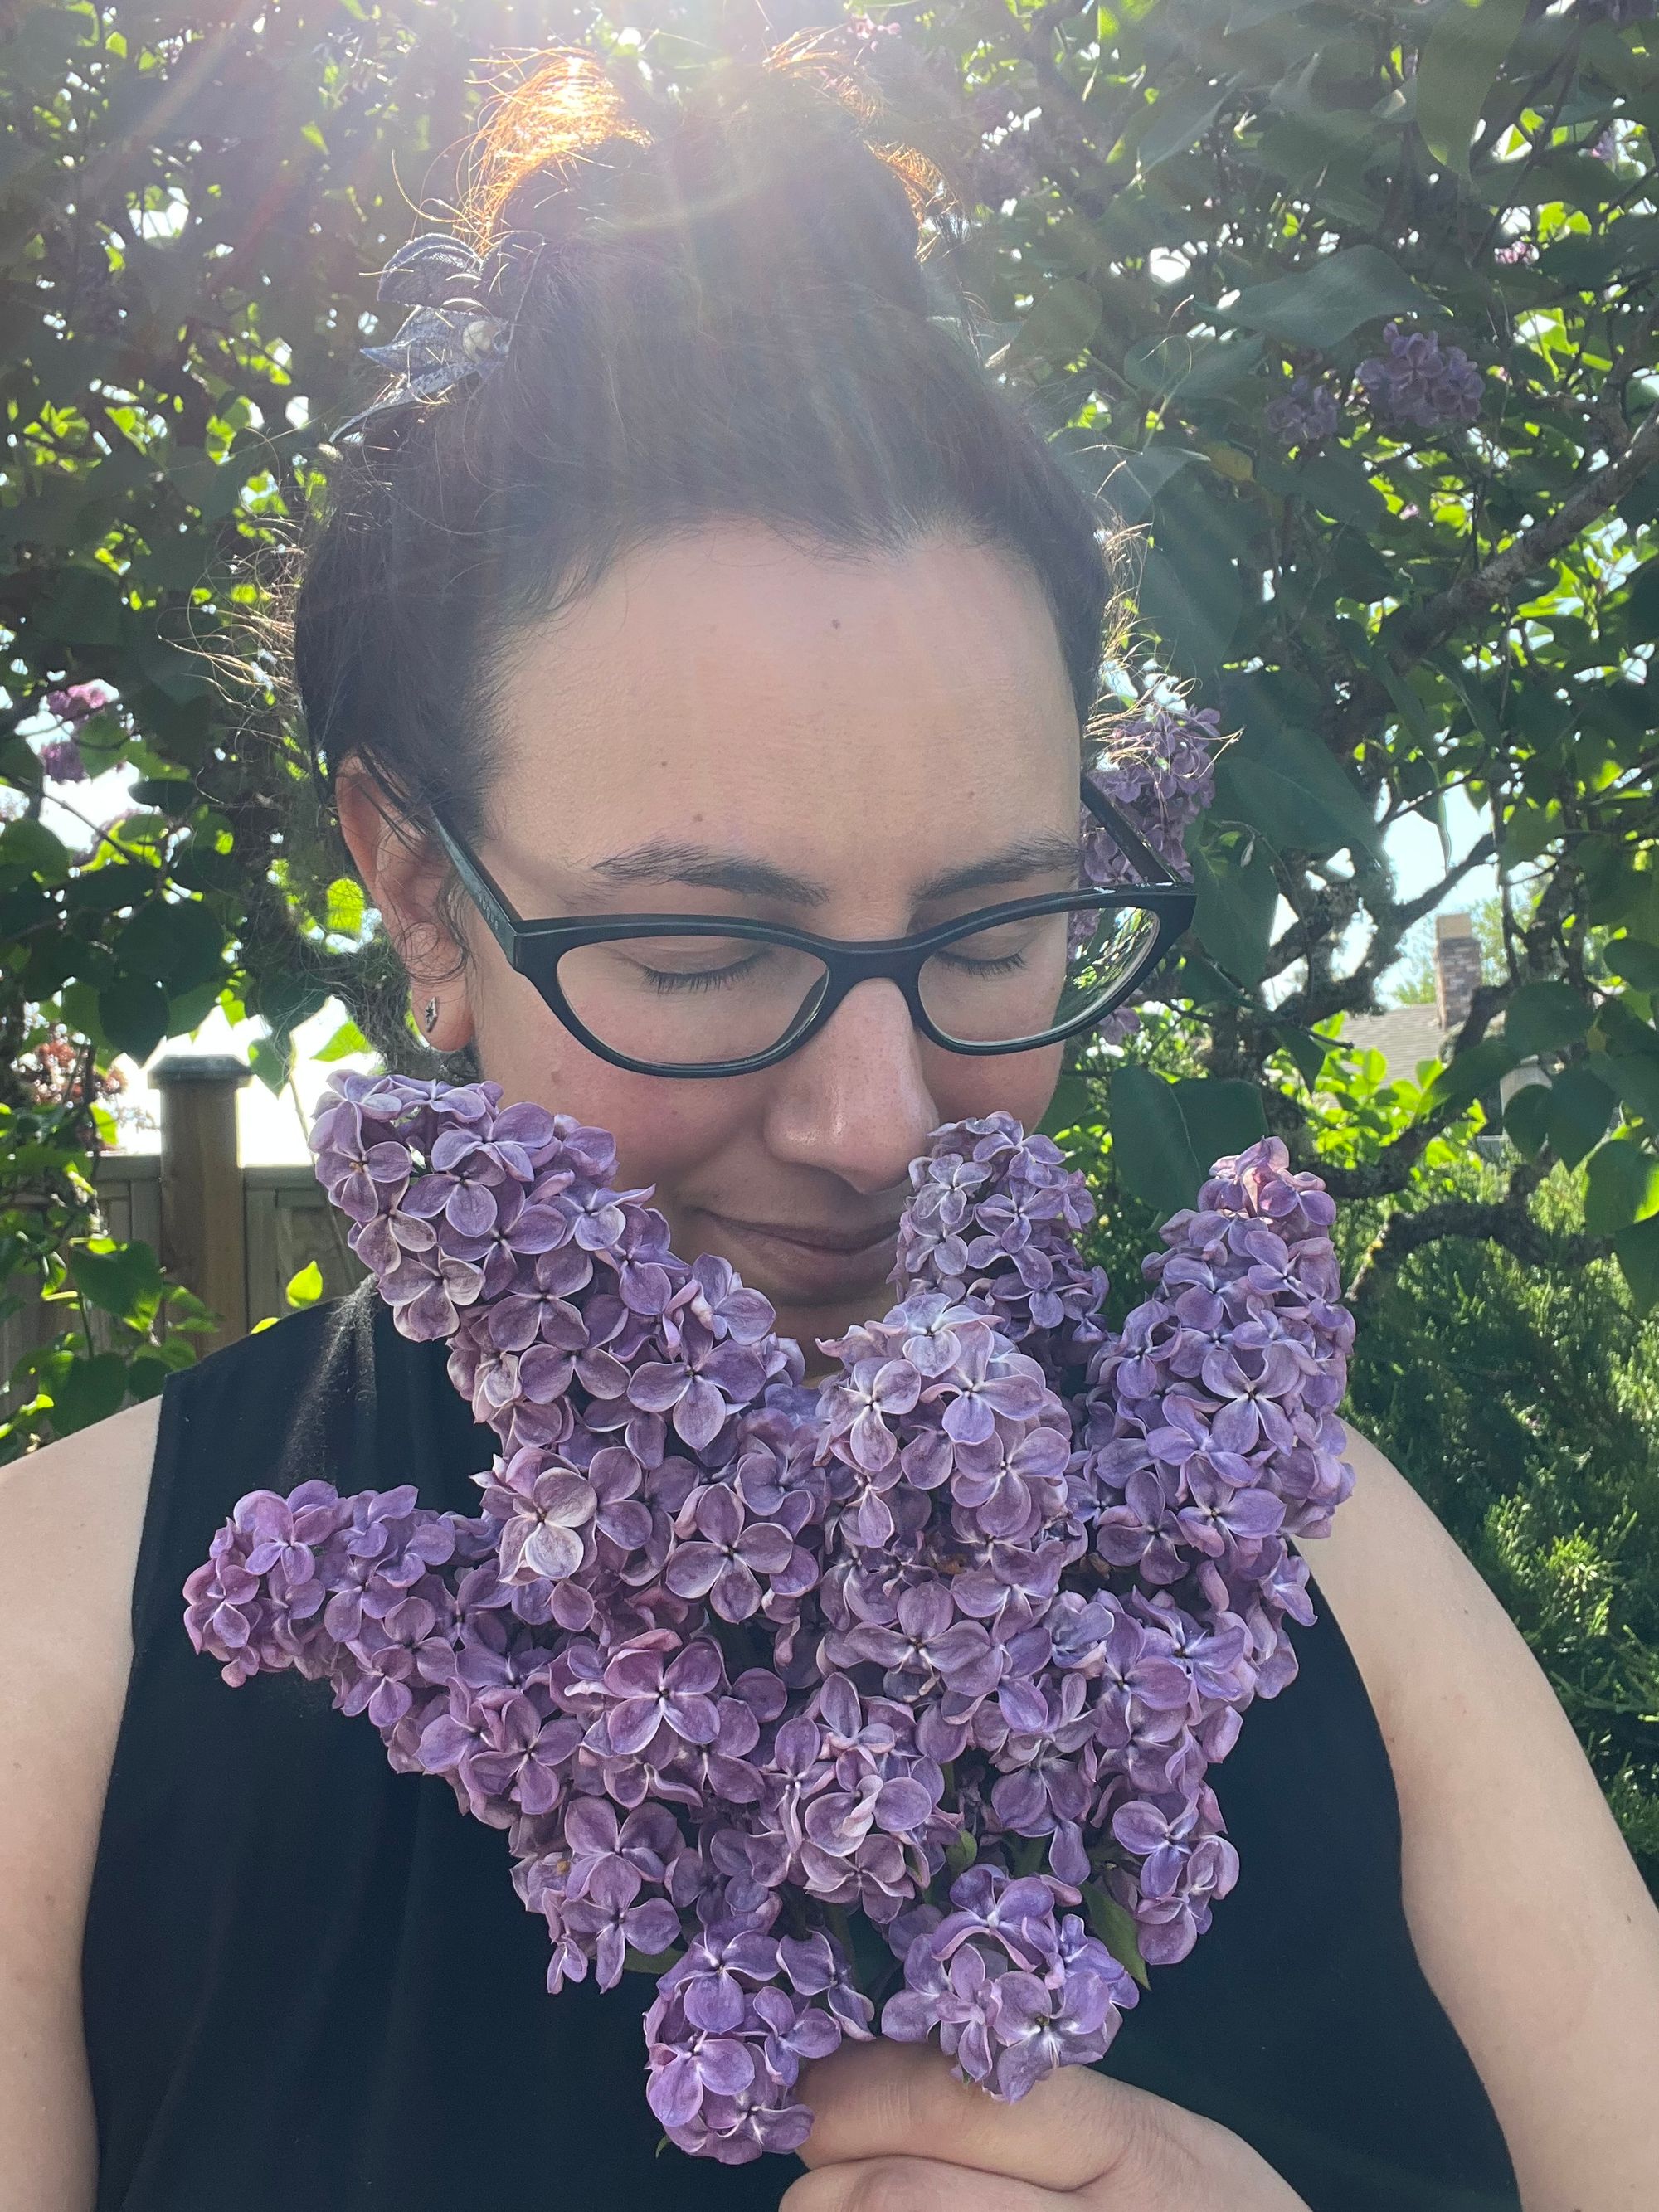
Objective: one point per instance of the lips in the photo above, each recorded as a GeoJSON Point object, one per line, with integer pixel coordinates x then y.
{"type": "Point", "coordinates": [802, 1263]}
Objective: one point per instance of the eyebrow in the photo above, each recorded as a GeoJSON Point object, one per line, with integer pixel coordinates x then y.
{"type": "Point", "coordinates": [1031, 856]}
{"type": "Point", "coordinates": [662, 861]}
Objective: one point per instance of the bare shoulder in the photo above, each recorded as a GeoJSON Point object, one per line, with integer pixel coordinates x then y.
{"type": "Point", "coordinates": [71, 1519]}
{"type": "Point", "coordinates": [1531, 1921]}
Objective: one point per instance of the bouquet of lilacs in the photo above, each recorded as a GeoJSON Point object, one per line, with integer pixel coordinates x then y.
{"type": "Point", "coordinates": [896, 1691]}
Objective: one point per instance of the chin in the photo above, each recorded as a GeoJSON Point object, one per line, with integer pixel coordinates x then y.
{"type": "Point", "coordinates": [812, 1325]}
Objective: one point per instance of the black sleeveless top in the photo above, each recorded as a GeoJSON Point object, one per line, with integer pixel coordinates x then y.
{"type": "Point", "coordinates": [308, 1981]}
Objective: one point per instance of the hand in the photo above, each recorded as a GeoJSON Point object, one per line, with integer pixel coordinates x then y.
{"type": "Point", "coordinates": [896, 2131]}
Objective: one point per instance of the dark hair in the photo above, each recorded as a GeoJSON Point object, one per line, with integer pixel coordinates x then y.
{"type": "Point", "coordinates": [729, 319]}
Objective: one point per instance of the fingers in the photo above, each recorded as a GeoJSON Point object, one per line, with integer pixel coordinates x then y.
{"type": "Point", "coordinates": [913, 2184]}
{"type": "Point", "coordinates": [886, 2100]}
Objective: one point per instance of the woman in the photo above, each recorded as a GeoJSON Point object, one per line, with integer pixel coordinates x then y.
{"type": "Point", "coordinates": [689, 567]}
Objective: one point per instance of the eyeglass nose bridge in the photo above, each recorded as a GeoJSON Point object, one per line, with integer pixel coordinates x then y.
{"type": "Point", "coordinates": [855, 964]}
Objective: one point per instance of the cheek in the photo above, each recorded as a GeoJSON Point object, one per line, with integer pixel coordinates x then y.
{"type": "Point", "coordinates": [664, 1130]}
{"type": "Point", "coordinates": [1018, 1083]}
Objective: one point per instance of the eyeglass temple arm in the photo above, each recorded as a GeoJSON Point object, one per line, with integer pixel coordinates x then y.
{"type": "Point", "coordinates": [504, 923]}
{"type": "Point", "coordinates": [1130, 841]}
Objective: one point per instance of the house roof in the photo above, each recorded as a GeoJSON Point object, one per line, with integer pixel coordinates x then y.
{"type": "Point", "coordinates": [1405, 1036]}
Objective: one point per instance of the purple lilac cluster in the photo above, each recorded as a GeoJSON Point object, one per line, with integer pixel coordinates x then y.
{"type": "Point", "coordinates": [944, 1648]}
{"type": "Point", "coordinates": [75, 703]}
{"type": "Point", "coordinates": [72, 706]}
{"type": "Point", "coordinates": [1158, 769]}
{"type": "Point", "coordinates": [1305, 413]}
{"type": "Point", "coordinates": [1419, 380]}
{"type": "Point", "coordinates": [996, 1217]}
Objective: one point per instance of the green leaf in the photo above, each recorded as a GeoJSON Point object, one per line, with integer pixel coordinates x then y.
{"type": "Point", "coordinates": [1136, 479]}
{"type": "Point", "coordinates": [1457, 68]}
{"type": "Point", "coordinates": [1462, 1080]}
{"type": "Point", "coordinates": [1622, 1185]}
{"type": "Point", "coordinates": [1322, 304]}
{"type": "Point", "coordinates": [272, 1060]}
{"type": "Point", "coordinates": [1193, 605]}
{"type": "Point", "coordinates": [1637, 1251]}
{"type": "Point", "coordinates": [29, 845]}
{"type": "Point", "coordinates": [1059, 326]}
{"type": "Point", "coordinates": [346, 1039]}
{"type": "Point", "coordinates": [1543, 1016]}
{"type": "Point", "coordinates": [1191, 370]}
{"type": "Point", "coordinates": [1166, 1136]}
{"type": "Point", "coordinates": [1305, 1048]}
{"type": "Point", "coordinates": [1073, 1104]}
{"type": "Point", "coordinates": [1526, 1117]}
{"type": "Point", "coordinates": [1153, 1151]}
{"type": "Point", "coordinates": [1282, 781]}
{"type": "Point", "coordinates": [307, 1287]}
{"type": "Point", "coordinates": [79, 1005]}
{"type": "Point", "coordinates": [1222, 1115]}
{"type": "Point", "coordinates": [146, 1375]}
{"type": "Point", "coordinates": [1636, 1077]}
{"type": "Point", "coordinates": [133, 1013]}
{"type": "Point", "coordinates": [1634, 963]}
{"type": "Point", "coordinates": [1179, 120]}
{"type": "Point", "coordinates": [177, 942]}
{"type": "Point", "coordinates": [1245, 15]}
{"type": "Point", "coordinates": [123, 1280]}
{"type": "Point", "coordinates": [1580, 1107]}
{"type": "Point", "coordinates": [88, 1390]}
{"type": "Point", "coordinates": [1238, 898]}
{"type": "Point", "coordinates": [1114, 1925]}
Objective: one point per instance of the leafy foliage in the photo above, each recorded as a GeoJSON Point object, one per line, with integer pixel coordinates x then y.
{"type": "Point", "coordinates": [1528, 1417]}
{"type": "Point", "coordinates": [1349, 309]}
{"type": "Point", "coordinates": [1358, 335]}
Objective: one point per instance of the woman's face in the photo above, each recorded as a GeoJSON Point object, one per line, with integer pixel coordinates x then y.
{"type": "Point", "coordinates": [732, 725]}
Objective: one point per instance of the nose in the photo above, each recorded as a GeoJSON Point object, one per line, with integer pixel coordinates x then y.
{"type": "Point", "coordinates": [855, 1101]}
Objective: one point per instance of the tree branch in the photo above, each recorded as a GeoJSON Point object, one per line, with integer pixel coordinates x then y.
{"type": "Point", "coordinates": [1418, 630]}
{"type": "Point", "coordinates": [1507, 1221]}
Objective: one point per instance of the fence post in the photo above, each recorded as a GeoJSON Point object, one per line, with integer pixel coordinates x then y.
{"type": "Point", "coordinates": [204, 1235]}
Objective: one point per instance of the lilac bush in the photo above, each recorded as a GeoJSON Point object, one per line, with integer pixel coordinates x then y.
{"type": "Point", "coordinates": [767, 1685]}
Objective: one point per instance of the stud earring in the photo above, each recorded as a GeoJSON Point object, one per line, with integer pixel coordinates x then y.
{"type": "Point", "coordinates": [431, 1015]}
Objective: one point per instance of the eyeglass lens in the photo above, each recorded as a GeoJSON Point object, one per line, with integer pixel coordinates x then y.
{"type": "Point", "coordinates": [689, 1001]}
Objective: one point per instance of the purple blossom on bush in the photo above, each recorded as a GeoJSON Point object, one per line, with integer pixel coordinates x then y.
{"type": "Point", "coordinates": [61, 759]}
{"type": "Point", "coordinates": [1002, 1584]}
{"type": "Point", "coordinates": [1305, 414]}
{"type": "Point", "coordinates": [75, 703]}
{"type": "Point", "coordinates": [1417, 380]}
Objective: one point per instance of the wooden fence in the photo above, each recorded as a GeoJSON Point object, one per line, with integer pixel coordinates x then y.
{"type": "Point", "coordinates": [236, 1235]}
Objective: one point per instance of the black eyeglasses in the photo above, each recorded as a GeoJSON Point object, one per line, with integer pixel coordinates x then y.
{"type": "Point", "coordinates": [700, 994]}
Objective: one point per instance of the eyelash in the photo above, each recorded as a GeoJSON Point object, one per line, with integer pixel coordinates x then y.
{"type": "Point", "coordinates": [668, 984]}
{"type": "Point", "coordinates": [1006, 966]}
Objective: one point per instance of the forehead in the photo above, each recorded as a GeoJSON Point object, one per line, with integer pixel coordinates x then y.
{"type": "Point", "coordinates": [790, 698]}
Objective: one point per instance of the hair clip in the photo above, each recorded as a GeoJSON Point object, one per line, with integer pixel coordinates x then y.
{"type": "Point", "coordinates": [464, 308]}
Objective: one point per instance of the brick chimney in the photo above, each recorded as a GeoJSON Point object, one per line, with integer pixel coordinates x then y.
{"type": "Point", "coordinates": [1456, 967]}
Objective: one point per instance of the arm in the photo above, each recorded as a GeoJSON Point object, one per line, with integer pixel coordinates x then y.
{"type": "Point", "coordinates": [70, 1523]}
{"type": "Point", "coordinates": [1529, 1917]}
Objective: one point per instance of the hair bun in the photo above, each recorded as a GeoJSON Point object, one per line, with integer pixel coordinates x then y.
{"type": "Point", "coordinates": [765, 184]}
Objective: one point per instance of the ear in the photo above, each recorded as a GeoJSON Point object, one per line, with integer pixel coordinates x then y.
{"type": "Point", "coordinates": [403, 874]}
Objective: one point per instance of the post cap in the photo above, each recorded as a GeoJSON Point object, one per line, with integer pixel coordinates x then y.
{"type": "Point", "coordinates": [199, 1067]}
